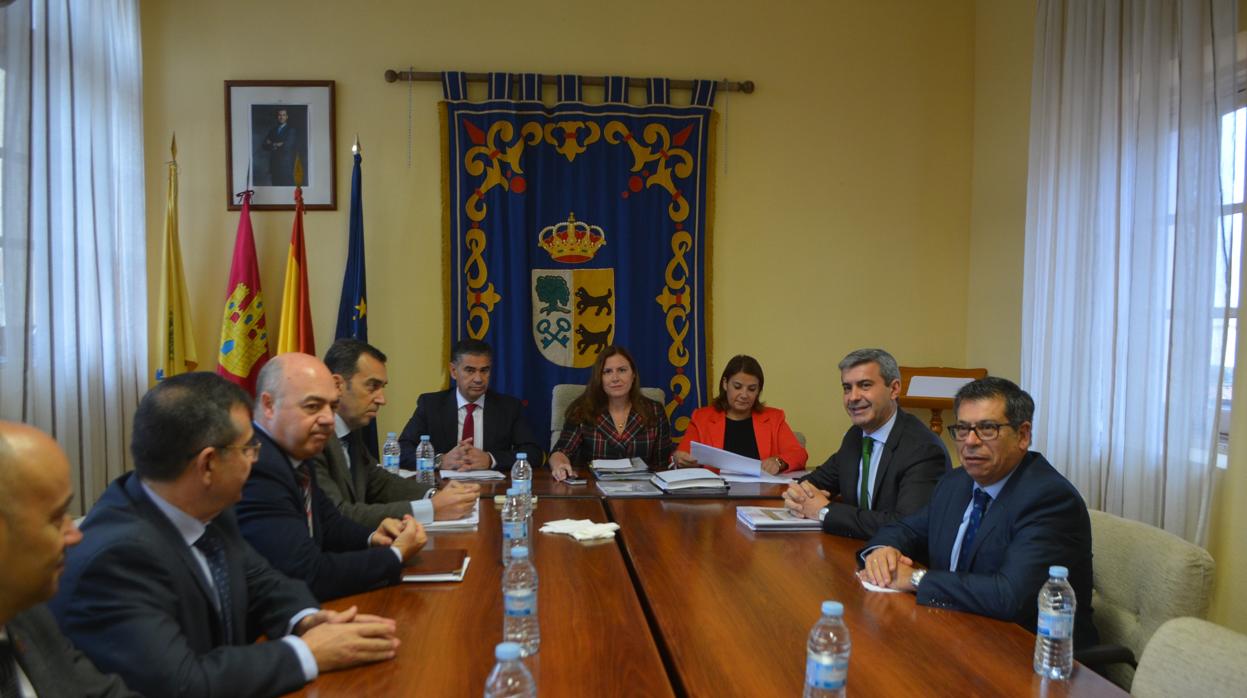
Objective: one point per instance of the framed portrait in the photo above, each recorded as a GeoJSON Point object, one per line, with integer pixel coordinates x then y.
{"type": "Point", "coordinates": [279, 134]}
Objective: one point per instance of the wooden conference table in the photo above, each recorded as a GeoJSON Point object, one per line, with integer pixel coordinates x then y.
{"type": "Point", "coordinates": [684, 601]}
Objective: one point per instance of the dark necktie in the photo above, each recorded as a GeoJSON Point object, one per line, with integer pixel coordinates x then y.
{"type": "Point", "coordinates": [210, 545]}
{"type": "Point", "coordinates": [469, 423]}
{"type": "Point", "coordinates": [8, 669]}
{"type": "Point", "coordinates": [346, 450]}
{"type": "Point", "coordinates": [981, 500]}
{"type": "Point", "coordinates": [863, 498]}
{"type": "Point", "coordinates": [304, 475]}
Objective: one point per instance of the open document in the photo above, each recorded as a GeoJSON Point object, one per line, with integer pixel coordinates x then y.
{"type": "Point", "coordinates": [732, 465]}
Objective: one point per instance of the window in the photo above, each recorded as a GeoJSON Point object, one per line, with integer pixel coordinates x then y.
{"type": "Point", "coordinates": [1233, 179]}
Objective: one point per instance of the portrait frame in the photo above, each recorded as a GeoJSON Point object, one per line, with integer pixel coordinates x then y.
{"type": "Point", "coordinates": [270, 125]}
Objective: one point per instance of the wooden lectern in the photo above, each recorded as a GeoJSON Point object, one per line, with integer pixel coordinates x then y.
{"type": "Point", "coordinates": [933, 387]}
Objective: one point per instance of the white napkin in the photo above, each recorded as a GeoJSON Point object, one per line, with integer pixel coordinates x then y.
{"type": "Point", "coordinates": [581, 529]}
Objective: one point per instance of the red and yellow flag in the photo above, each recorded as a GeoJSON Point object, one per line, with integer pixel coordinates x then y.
{"type": "Point", "coordinates": [244, 330]}
{"type": "Point", "coordinates": [295, 333]}
{"type": "Point", "coordinates": [176, 339]}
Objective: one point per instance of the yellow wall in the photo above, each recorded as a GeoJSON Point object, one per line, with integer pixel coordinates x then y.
{"type": "Point", "coordinates": [843, 183]}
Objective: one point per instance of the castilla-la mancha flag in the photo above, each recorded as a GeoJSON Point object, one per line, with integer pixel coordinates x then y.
{"type": "Point", "coordinates": [295, 331]}
{"type": "Point", "coordinates": [244, 331]}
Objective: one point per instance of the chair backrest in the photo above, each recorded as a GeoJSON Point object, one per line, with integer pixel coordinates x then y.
{"type": "Point", "coordinates": [563, 394]}
{"type": "Point", "coordinates": [1192, 657]}
{"type": "Point", "coordinates": [1144, 576]}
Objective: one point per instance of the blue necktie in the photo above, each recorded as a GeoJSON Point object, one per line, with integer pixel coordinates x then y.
{"type": "Point", "coordinates": [210, 545]}
{"type": "Point", "coordinates": [981, 500]}
{"type": "Point", "coordinates": [8, 669]}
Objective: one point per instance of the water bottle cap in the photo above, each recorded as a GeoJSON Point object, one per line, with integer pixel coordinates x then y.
{"type": "Point", "coordinates": [391, 435]}
{"type": "Point", "coordinates": [519, 552]}
{"type": "Point", "coordinates": [833, 608]}
{"type": "Point", "coordinates": [1058, 571]}
{"type": "Point", "coordinates": [521, 456]}
{"type": "Point", "coordinates": [424, 437]}
{"type": "Point", "coordinates": [507, 651]}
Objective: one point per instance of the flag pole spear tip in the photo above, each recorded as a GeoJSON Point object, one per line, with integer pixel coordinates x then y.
{"type": "Point", "coordinates": [173, 146]}
{"type": "Point", "coordinates": [355, 148]}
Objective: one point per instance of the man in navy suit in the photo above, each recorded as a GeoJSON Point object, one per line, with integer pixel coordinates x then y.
{"type": "Point", "coordinates": [899, 456]}
{"type": "Point", "coordinates": [994, 526]}
{"type": "Point", "coordinates": [165, 592]}
{"type": "Point", "coordinates": [286, 516]}
{"type": "Point", "coordinates": [35, 531]}
{"type": "Point", "coordinates": [473, 427]}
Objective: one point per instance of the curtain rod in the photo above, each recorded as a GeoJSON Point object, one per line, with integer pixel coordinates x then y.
{"type": "Point", "coordinates": [745, 86]}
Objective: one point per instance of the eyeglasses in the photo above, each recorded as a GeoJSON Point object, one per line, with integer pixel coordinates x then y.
{"type": "Point", "coordinates": [251, 449]}
{"type": "Point", "coordinates": [986, 431]}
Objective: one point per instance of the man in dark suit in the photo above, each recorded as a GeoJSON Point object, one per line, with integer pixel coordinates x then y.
{"type": "Point", "coordinates": [165, 592]}
{"type": "Point", "coordinates": [286, 516]}
{"type": "Point", "coordinates": [347, 470]}
{"type": "Point", "coordinates": [994, 526]}
{"type": "Point", "coordinates": [473, 427]}
{"type": "Point", "coordinates": [281, 143]}
{"type": "Point", "coordinates": [35, 531]}
{"type": "Point", "coordinates": [900, 457]}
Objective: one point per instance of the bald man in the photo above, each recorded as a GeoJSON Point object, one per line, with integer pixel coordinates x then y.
{"type": "Point", "coordinates": [35, 531]}
{"type": "Point", "coordinates": [285, 515]}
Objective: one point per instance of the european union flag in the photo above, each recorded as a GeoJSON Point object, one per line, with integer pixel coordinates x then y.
{"type": "Point", "coordinates": [353, 306]}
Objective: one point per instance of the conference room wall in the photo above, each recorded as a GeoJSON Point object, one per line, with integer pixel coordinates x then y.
{"type": "Point", "coordinates": [842, 184]}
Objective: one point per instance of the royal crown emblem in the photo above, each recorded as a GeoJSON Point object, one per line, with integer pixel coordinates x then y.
{"type": "Point", "coordinates": [571, 241]}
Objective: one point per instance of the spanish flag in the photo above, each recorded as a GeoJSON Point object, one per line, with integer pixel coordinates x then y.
{"type": "Point", "coordinates": [296, 306]}
{"type": "Point", "coordinates": [244, 330]}
{"type": "Point", "coordinates": [176, 339]}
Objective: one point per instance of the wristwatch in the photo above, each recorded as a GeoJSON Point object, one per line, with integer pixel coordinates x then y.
{"type": "Point", "coordinates": [822, 513]}
{"type": "Point", "coordinates": [916, 578]}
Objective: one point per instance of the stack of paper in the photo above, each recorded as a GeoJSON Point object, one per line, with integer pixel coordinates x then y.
{"type": "Point", "coordinates": [638, 488]}
{"type": "Point", "coordinates": [619, 469]}
{"type": "Point", "coordinates": [467, 523]}
{"type": "Point", "coordinates": [438, 566]}
{"type": "Point", "coordinates": [774, 519]}
{"type": "Point", "coordinates": [689, 480]}
{"type": "Point", "coordinates": [733, 466]}
{"type": "Point", "coordinates": [472, 475]}
{"type": "Point", "coordinates": [581, 529]}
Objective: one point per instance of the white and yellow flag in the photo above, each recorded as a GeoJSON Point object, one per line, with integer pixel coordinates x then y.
{"type": "Point", "coordinates": [176, 349]}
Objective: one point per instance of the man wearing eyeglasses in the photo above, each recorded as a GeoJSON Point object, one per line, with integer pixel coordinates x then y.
{"type": "Point", "coordinates": [995, 525]}
{"type": "Point", "coordinates": [888, 462]}
{"type": "Point", "coordinates": [164, 591]}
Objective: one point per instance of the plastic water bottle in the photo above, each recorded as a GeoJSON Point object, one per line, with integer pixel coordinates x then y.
{"type": "Point", "coordinates": [827, 655]}
{"type": "Point", "coordinates": [514, 524]}
{"type": "Point", "coordinates": [510, 678]}
{"type": "Point", "coordinates": [1054, 633]}
{"type": "Point", "coordinates": [390, 453]}
{"type": "Point", "coordinates": [424, 461]}
{"type": "Point", "coordinates": [519, 600]}
{"type": "Point", "coordinates": [522, 477]}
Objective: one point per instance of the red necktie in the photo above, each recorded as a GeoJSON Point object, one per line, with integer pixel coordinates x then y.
{"type": "Point", "coordinates": [469, 423]}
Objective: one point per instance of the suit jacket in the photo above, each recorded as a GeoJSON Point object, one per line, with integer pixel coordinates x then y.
{"type": "Point", "coordinates": [363, 492]}
{"type": "Point", "coordinates": [336, 559]}
{"type": "Point", "coordinates": [136, 602]}
{"type": "Point", "coordinates": [506, 430]}
{"type": "Point", "coordinates": [53, 665]}
{"type": "Point", "coordinates": [1038, 520]}
{"type": "Point", "coordinates": [770, 429]}
{"type": "Point", "coordinates": [913, 460]}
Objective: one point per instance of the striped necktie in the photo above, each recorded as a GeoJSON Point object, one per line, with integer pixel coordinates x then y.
{"type": "Point", "coordinates": [981, 500]}
{"type": "Point", "coordinates": [304, 475]}
{"type": "Point", "coordinates": [214, 551]}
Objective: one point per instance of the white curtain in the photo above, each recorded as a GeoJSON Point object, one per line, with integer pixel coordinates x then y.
{"type": "Point", "coordinates": [1125, 295]}
{"type": "Point", "coordinates": [73, 348]}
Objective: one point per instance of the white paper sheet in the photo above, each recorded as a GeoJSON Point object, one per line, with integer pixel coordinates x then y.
{"type": "Point", "coordinates": [762, 478]}
{"type": "Point", "coordinates": [472, 475]}
{"type": "Point", "coordinates": [725, 460]}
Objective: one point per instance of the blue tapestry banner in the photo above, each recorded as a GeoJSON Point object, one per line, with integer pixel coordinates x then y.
{"type": "Point", "coordinates": [575, 226]}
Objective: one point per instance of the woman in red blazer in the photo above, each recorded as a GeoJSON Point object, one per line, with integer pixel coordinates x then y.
{"type": "Point", "coordinates": [737, 421]}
